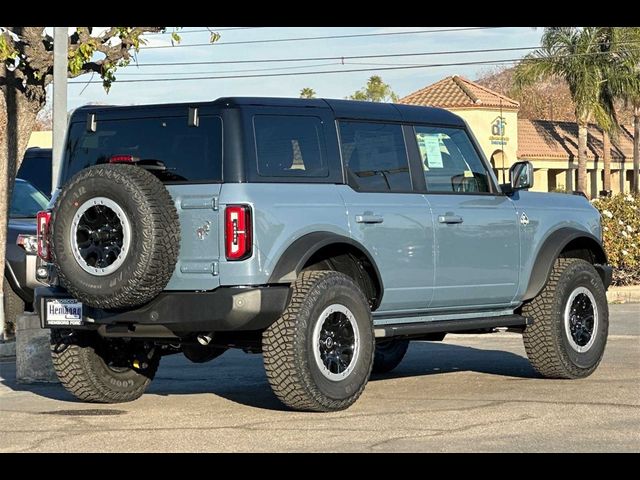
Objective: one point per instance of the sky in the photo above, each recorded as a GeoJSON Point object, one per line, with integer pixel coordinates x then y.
{"type": "Point", "coordinates": [338, 85]}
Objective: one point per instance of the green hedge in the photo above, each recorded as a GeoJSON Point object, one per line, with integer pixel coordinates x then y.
{"type": "Point", "coordinates": [621, 231]}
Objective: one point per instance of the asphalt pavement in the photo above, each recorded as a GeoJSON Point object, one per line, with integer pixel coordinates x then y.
{"type": "Point", "coordinates": [468, 393]}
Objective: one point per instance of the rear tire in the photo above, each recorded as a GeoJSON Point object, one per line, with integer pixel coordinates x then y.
{"type": "Point", "coordinates": [318, 355]}
{"type": "Point", "coordinates": [389, 354]}
{"type": "Point", "coordinates": [84, 361]}
{"type": "Point", "coordinates": [570, 321]}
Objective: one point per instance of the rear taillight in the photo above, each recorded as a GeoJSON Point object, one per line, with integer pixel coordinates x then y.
{"type": "Point", "coordinates": [237, 232]}
{"type": "Point", "coordinates": [122, 159]}
{"type": "Point", "coordinates": [42, 223]}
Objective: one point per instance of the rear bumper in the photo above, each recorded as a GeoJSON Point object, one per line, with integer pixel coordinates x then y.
{"type": "Point", "coordinates": [20, 271]}
{"type": "Point", "coordinates": [181, 313]}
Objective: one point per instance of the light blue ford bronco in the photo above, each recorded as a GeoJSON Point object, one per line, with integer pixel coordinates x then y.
{"type": "Point", "coordinates": [324, 234]}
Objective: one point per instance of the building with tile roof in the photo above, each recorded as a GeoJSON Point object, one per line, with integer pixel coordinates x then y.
{"type": "Point", "coordinates": [551, 146]}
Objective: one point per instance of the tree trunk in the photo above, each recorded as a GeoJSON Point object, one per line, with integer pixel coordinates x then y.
{"type": "Point", "coordinates": [14, 137]}
{"type": "Point", "coordinates": [582, 158]}
{"type": "Point", "coordinates": [606, 161]}
{"type": "Point", "coordinates": [636, 149]}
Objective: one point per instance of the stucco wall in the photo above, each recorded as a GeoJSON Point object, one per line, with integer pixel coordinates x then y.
{"type": "Point", "coordinates": [42, 139]}
{"type": "Point", "coordinates": [482, 123]}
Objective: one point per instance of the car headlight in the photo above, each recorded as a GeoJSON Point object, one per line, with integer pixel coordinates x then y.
{"type": "Point", "coordinates": [29, 243]}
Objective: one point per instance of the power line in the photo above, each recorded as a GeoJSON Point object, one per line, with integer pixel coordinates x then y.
{"type": "Point", "coordinates": [346, 57]}
{"type": "Point", "coordinates": [338, 61]}
{"type": "Point", "coordinates": [395, 67]}
{"type": "Point", "coordinates": [231, 71]}
{"type": "Point", "coordinates": [211, 29]}
{"type": "Point", "coordinates": [288, 74]}
{"type": "Point", "coordinates": [326, 37]}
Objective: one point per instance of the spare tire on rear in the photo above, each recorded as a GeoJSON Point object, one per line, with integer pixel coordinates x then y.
{"type": "Point", "coordinates": [115, 236]}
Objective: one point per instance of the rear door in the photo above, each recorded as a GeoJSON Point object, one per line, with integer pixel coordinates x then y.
{"type": "Point", "coordinates": [476, 228]}
{"type": "Point", "coordinates": [385, 215]}
{"type": "Point", "coordinates": [187, 156]}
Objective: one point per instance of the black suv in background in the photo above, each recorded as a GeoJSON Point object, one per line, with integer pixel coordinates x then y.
{"type": "Point", "coordinates": [36, 168]}
{"type": "Point", "coordinates": [34, 178]}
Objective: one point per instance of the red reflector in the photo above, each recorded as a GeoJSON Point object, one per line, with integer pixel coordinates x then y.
{"type": "Point", "coordinates": [122, 159]}
{"type": "Point", "coordinates": [237, 232]}
{"type": "Point", "coordinates": [42, 222]}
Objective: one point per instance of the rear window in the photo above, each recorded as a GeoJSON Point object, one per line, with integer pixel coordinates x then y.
{"type": "Point", "coordinates": [175, 151]}
{"type": "Point", "coordinates": [37, 170]}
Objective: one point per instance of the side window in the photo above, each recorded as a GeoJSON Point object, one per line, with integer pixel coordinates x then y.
{"type": "Point", "coordinates": [450, 162]}
{"type": "Point", "coordinates": [289, 146]}
{"type": "Point", "coordinates": [375, 156]}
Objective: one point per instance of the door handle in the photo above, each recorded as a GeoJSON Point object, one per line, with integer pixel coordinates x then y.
{"type": "Point", "coordinates": [368, 217]}
{"type": "Point", "coordinates": [450, 219]}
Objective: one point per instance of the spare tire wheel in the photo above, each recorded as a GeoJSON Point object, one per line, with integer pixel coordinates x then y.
{"type": "Point", "coordinates": [115, 236]}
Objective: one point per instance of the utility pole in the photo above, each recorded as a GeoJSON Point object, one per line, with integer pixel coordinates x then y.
{"type": "Point", "coordinates": [60, 52]}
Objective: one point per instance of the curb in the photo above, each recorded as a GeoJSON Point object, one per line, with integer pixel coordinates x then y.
{"type": "Point", "coordinates": [630, 294]}
{"type": "Point", "coordinates": [8, 349]}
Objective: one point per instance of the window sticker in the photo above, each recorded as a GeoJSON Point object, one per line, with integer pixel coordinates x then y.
{"type": "Point", "coordinates": [430, 150]}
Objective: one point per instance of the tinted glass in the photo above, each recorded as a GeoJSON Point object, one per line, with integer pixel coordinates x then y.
{"type": "Point", "coordinates": [26, 200]}
{"type": "Point", "coordinates": [375, 157]}
{"type": "Point", "coordinates": [289, 146]}
{"type": "Point", "coordinates": [177, 151]}
{"type": "Point", "coordinates": [450, 162]}
{"type": "Point", "coordinates": [37, 170]}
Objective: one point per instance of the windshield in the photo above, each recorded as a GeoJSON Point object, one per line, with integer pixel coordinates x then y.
{"type": "Point", "coordinates": [26, 201]}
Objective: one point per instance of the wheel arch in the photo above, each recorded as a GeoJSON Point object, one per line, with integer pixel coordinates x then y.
{"type": "Point", "coordinates": [343, 253]}
{"type": "Point", "coordinates": [567, 242]}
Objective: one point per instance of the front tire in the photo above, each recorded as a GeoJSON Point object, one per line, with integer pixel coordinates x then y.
{"type": "Point", "coordinates": [318, 355]}
{"type": "Point", "coordinates": [95, 370]}
{"type": "Point", "coordinates": [570, 321]}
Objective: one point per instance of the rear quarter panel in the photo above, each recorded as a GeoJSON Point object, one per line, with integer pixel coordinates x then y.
{"type": "Point", "coordinates": [282, 213]}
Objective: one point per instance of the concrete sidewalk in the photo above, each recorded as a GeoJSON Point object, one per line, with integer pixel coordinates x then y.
{"type": "Point", "coordinates": [629, 294]}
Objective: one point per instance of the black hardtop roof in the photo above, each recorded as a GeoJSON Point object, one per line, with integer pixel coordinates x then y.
{"type": "Point", "coordinates": [348, 109]}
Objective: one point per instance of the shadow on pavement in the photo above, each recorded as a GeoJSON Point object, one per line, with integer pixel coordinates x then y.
{"type": "Point", "coordinates": [240, 378]}
{"type": "Point", "coordinates": [430, 358]}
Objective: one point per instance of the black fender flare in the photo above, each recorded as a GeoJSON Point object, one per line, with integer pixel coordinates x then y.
{"type": "Point", "coordinates": [551, 249]}
{"type": "Point", "coordinates": [302, 249]}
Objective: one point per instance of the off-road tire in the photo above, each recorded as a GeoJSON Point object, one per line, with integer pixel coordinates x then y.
{"type": "Point", "coordinates": [287, 345]}
{"type": "Point", "coordinates": [83, 372]}
{"type": "Point", "coordinates": [13, 308]}
{"type": "Point", "coordinates": [546, 341]}
{"type": "Point", "coordinates": [155, 236]}
{"type": "Point", "coordinates": [389, 354]}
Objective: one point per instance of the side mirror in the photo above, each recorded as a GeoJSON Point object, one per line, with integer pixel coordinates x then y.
{"type": "Point", "coordinates": [520, 176]}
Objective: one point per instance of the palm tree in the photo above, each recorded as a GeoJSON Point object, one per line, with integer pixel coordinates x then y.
{"type": "Point", "coordinates": [574, 54]}
{"type": "Point", "coordinates": [625, 84]}
{"type": "Point", "coordinates": [307, 92]}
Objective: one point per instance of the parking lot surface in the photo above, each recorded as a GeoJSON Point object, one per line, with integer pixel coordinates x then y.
{"type": "Point", "coordinates": [468, 393]}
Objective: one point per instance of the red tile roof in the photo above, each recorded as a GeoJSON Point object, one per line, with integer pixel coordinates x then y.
{"type": "Point", "coordinates": [559, 140]}
{"type": "Point", "coordinates": [458, 92]}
